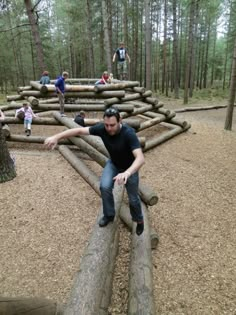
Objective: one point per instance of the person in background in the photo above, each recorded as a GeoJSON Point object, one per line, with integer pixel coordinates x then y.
{"type": "Point", "coordinates": [104, 79]}
{"type": "Point", "coordinates": [126, 158]}
{"type": "Point", "coordinates": [122, 55]}
{"type": "Point", "coordinates": [79, 118]}
{"type": "Point", "coordinates": [45, 78]}
{"type": "Point", "coordinates": [60, 89]}
{"type": "Point", "coordinates": [26, 113]}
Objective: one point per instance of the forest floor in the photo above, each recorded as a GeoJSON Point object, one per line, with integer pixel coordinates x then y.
{"type": "Point", "coordinates": [48, 212]}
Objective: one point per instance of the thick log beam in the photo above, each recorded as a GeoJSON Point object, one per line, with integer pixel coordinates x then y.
{"type": "Point", "coordinates": [147, 194]}
{"type": "Point", "coordinates": [14, 97]}
{"type": "Point", "coordinates": [36, 121]}
{"type": "Point", "coordinates": [30, 306]}
{"type": "Point", "coordinates": [24, 88]}
{"type": "Point", "coordinates": [68, 88]}
{"type": "Point", "coordinates": [97, 264]}
{"type": "Point", "coordinates": [117, 86]}
{"type": "Point", "coordinates": [141, 300]}
{"type": "Point", "coordinates": [6, 131]}
{"type": "Point", "coordinates": [85, 107]}
{"type": "Point", "coordinates": [104, 94]}
{"type": "Point", "coordinates": [33, 139]}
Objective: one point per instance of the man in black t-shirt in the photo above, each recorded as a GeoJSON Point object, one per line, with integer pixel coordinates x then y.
{"type": "Point", "coordinates": [126, 158]}
{"type": "Point", "coordinates": [122, 55]}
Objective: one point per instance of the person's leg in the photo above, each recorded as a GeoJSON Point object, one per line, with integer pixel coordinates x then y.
{"type": "Point", "coordinates": [135, 202]}
{"type": "Point", "coordinates": [106, 187]}
{"type": "Point", "coordinates": [125, 76]}
{"type": "Point", "coordinates": [28, 126]}
{"type": "Point", "coordinates": [61, 102]}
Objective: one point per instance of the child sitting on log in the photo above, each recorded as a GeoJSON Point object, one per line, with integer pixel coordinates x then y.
{"type": "Point", "coordinates": [104, 79]}
{"type": "Point", "coordinates": [45, 78]}
{"type": "Point", "coordinates": [26, 113]}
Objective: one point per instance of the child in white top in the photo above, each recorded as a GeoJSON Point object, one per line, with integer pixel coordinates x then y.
{"type": "Point", "coordinates": [26, 113]}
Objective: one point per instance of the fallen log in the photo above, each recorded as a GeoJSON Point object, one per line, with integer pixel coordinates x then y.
{"type": "Point", "coordinates": [29, 306]}
{"type": "Point", "coordinates": [104, 94]}
{"type": "Point", "coordinates": [36, 121]}
{"type": "Point", "coordinates": [141, 300]}
{"type": "Point", "coordinates": [155, 121]}
{"type": "Point", "coordinates": [97, 264]}
{"type": "Point", "coordinates": [31, 93]}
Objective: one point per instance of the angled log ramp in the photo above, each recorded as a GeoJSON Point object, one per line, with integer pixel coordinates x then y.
{"type": "Point", "coordinates": [155, 141]}
{"type": "Point", "coordinates": [91, 292]}
{"type": "Point", "coordinates": [33, 139]}
{"type": "Point", "coordinates": [141, 300]}
{"type": "Point", "coordinates": [29, 306]}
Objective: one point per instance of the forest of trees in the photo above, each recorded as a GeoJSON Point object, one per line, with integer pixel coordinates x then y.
{"type": "Point", "coordinates": [174, 45]}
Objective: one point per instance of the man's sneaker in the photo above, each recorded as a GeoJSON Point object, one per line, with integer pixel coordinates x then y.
{"type": "Point", "coordinates": [28, 133]}
{"type": "Point", "coordinates": [139, 228]}
{"type": "Point", "coordinates": [63, 115]}
{"type": "Point", "coordinates": [105, 220]}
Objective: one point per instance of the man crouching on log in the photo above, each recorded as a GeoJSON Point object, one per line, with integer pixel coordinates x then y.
{"type": "Point", "coordinates": [126, 158]}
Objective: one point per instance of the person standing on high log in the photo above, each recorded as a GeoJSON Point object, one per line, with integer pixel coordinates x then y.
{"type": "Point", "coordinates": [126, 158]}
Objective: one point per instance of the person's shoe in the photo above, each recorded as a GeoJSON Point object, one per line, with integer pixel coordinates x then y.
{"type": "Point", "coordinates": [63, 115]}
{"type": "Point", "coordinates": [139, 228]}
{"type": "Point", "coordinates": [105, 220]}
{"type": "Point", "coordinates": [28, 133]}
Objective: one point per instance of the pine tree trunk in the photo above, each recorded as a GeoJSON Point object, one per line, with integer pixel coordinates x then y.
{"type": "Point", "coordinates": [230, 108]}
{"type": "Point", "coordinates": [7, 168]}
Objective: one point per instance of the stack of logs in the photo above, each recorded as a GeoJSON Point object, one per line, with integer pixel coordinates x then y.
{"type": "Point", "coordinates": [91, 291]}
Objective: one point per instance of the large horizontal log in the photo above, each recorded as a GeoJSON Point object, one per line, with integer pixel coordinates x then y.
{"type": "Point", "coordinates": [68, 88]}
{"type": "Point", "coordinates": [29, 306]}
{"type": "Point", "coordinates": [117, 86]}
{"type": "Point", "coordinates": [33, 139]}
{"type": "Point", "coordinates": [77, 80]}
{"type": "Point", "coordinates": [141, 299]}
{"type": "Point", "coordinates": [97, 264]}
{"type": "Point", "coordinates": [24, 88]}
{"type": "Point", "coordinates": [36, 121]}
{"type": "Point", "coordinates": [36, 85]}
{"type": "Point", "coordinates": [89, 107]}
{"type": "Point", "coordinates": [105, 94]}
{"type": "Point", "coordinates": [31, 93]}
{"type": "Point", "coordinates": [14, 98]}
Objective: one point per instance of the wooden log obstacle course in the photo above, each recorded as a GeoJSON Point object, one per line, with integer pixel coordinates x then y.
{"type": "Point", "coordinates": [91, 290]}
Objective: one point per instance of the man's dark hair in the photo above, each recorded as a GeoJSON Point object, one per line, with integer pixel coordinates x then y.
{"type": "Point", "coordinates": [112, 111]}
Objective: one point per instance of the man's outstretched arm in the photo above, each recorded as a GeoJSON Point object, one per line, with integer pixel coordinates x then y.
{"type": "Point", "coordinates": [52, 141]}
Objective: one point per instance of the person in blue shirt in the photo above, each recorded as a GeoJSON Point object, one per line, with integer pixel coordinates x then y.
{"type": "Point", "coordinates": [122, 55]}
{"type": "Point", "coordinates": [60, 89]}
{"type": "Point", "coordinates": [126, 158]}
{"type": "Point", "coordinates": [45, 79]}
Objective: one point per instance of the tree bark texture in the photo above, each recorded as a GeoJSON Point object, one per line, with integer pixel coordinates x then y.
{"type": "Point", "coordinates": [7, 167]}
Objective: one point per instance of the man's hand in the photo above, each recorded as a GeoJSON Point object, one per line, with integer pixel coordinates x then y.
{"type": "Point", "coordinates": [51, 142]}
{"type": "Point", "coordinates": [122, 178]}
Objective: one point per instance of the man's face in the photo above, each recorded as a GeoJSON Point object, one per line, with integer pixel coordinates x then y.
{"type": "Point", "coordinates": [112, 126]}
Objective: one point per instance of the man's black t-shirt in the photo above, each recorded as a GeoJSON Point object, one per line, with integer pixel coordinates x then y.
{"type": "Point", "coordinates": [121, 53]}
{"type": "Point", "coordinates": [119, 146]}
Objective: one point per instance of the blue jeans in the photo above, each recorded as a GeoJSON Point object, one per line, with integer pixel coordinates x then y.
{"type": "Point", "coordinates": [106, 187]}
